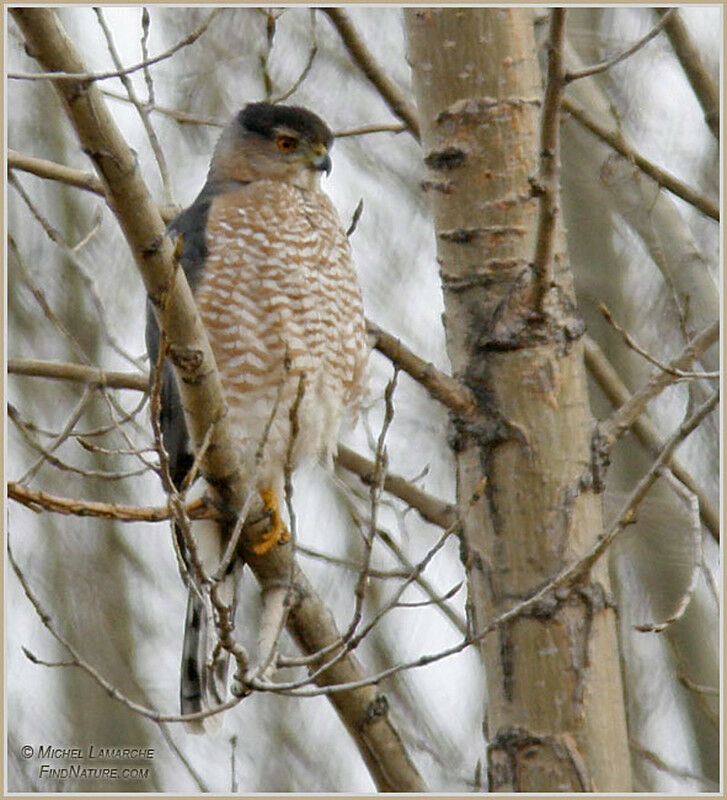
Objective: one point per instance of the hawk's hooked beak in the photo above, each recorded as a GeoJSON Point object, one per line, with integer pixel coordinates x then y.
{"type": "Point", "coordinates": [322, 161]}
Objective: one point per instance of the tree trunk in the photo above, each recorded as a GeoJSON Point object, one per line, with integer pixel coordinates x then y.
{"type": "Point", "coordinates": [555, 712]}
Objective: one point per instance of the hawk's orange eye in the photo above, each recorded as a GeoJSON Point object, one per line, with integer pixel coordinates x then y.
{"type": "Point", "coordinates": [287, 144]}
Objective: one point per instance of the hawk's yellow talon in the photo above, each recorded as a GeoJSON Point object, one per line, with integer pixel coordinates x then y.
{"type": "Point", "coordinates": [278, 532]}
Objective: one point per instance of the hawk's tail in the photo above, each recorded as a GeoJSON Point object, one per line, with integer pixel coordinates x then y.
{"type": "Point", "coordinates": [203, 682]}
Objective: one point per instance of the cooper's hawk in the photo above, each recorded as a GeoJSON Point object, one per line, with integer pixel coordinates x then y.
{"type": "Point", "coordinates": [270, 267]}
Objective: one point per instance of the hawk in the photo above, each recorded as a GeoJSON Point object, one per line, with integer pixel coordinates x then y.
{"type": "Point", "coordinates": [271, 271]}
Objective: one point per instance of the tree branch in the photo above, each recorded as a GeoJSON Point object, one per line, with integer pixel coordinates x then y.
{"type": "Point", "coordinates": [431, 508]}
{"type": "Point", "coordinates": [442, 387]}
{"type": "Point", "coordinates": [42, 501]}
{"type": "Point", "coordinates": [56, 172]}
{"type": "Point", "coordinates": [612, 429]}
{"type": "Point", "coordinates": [666, 180]}
{"type": "Point", "coordinates": [706, 90]}
{"type": "Point", "coordinates": [549, 169]}
{"type": "Point", "coordinates": [617, 392]}
{"type": "Point", "coordinates": [79, 373]}
{"type": "Point", "coordinates": [602, 66]}
{"type": "Point", "coordinates": [79, 76]}
{"type": "Point", "coordinates": [361, 55]}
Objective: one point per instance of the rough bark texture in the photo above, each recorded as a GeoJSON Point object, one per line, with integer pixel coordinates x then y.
{"type": "Point", "coordinates": [363, 710]}
{"type": "Point", "coordinates": [554, 718]}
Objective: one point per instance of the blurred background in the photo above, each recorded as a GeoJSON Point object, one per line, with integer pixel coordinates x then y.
{"type": "Point", "coordinates": [73, 295]}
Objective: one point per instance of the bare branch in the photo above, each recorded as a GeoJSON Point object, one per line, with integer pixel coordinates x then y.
{"type": "Point", "coordinates": [643, 486]}
{"type": "Point", "coordinates": [90, 77]}
{"type": "Point", "coordinates": [87, 280]}
{"type": "Point", "coordinates": [62, 465]}
{"type": "Point", "coordinates": [670, 769]}
{"type": "Point", "coordinates": [42, 501]}
{"type": "Point", "coordinates": [612, 429]}
{"type": "Point", "coordinates": [142, 110]}
{"type": "Point", "coordinates": [431, 508]}
{"type": "Point", "coordinates": [77, 661]}
{"type": "Point", "coordinates": [71, 177]}
{"type": "Point", "coordinates": [81, 406]}
{"type": "Point", "coordinates": [363, 130]}
{"type": "Point", "coordinates": [56, 172]}
{"type": "Point", "coordinates": [665, 179]}
{"type": "Point", "coordinates": [361, 55]}
{"type": "Point", "coordinates": [308, 64]}
{"type": "Point", "coordinates": [185, 118]}
{"type": "Point", "coordinates": [602, 66]}
{"type": "Point", "coordinates": [549, 169]}
{"type": "Point", "coordinates": [180, 116]}
{"type": "Point", "coordinates": [617, 392]}
{"type": "Point", "coordinates": [706, 90]}
{"type": "Point", "coordinates": [57, 370]}
{"type": "Point", "coordinates": [447, 390]}
{"type": "Point", "coordinates": [631, 342]}
{"type": "Point", "coordinates": [40, 298]}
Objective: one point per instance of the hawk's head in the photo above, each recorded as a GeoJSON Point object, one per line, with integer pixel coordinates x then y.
{"type": "Point", "coordinates": [266, 141]}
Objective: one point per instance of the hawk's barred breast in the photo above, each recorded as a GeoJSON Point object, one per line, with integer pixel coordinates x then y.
{"type": "Point", "coordinates": [279, 285]}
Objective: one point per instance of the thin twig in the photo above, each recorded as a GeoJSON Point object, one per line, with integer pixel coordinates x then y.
{"type": "Point", "coordinates": [308, 64]}
{"type": "Point", "coordinates": [612, 429]}
{"type": "Point", "coordinates": [364, 130]}
{"type": "Point", "coordinates": [634, 345]}
{"type": "Point", "coordinates": [676, 772]}
{"type": "Point", "coordinates": [713, 691]}
{"type": "Point", "coordinates": [185, 118]}
{"type": "Point", "coordinates": [145, 27]}
{"type": "Point", "coordinates": [87, 280]}
{"type": "Point", "coordinates": [77, 661]}
{"type": "Point", "coordinates": [355, 217]}
{"type": "Point", "coordinates": [665, 179]}
{"type": "Point", "coordinates": [40, 298]}
{"type": "Point", "coordinates": [180, 116]}
{"type": "Point", "coordinates": [62, 465]}
{"type": "Point", "coordinates": [602, 66]}
{"type": "Point", "coordinates": [375, 488]}
{"type": "Point", "coordinates": [102, 76]}
{"type": "Point", "coordinates": [75, 415]}
{"type": "Point", "coordinates": [361, 55]}
{"type": "Point", "coordinates": [141, 108]}
{"type": "Point", "coordinates": [646, 432]}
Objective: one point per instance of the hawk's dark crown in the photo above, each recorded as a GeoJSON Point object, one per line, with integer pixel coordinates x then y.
{"type": "Point", "coordinates": [264, 118]}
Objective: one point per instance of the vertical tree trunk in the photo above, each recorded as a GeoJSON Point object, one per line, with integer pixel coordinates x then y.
{"type": "Point", "coordinates": [555, 712]}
